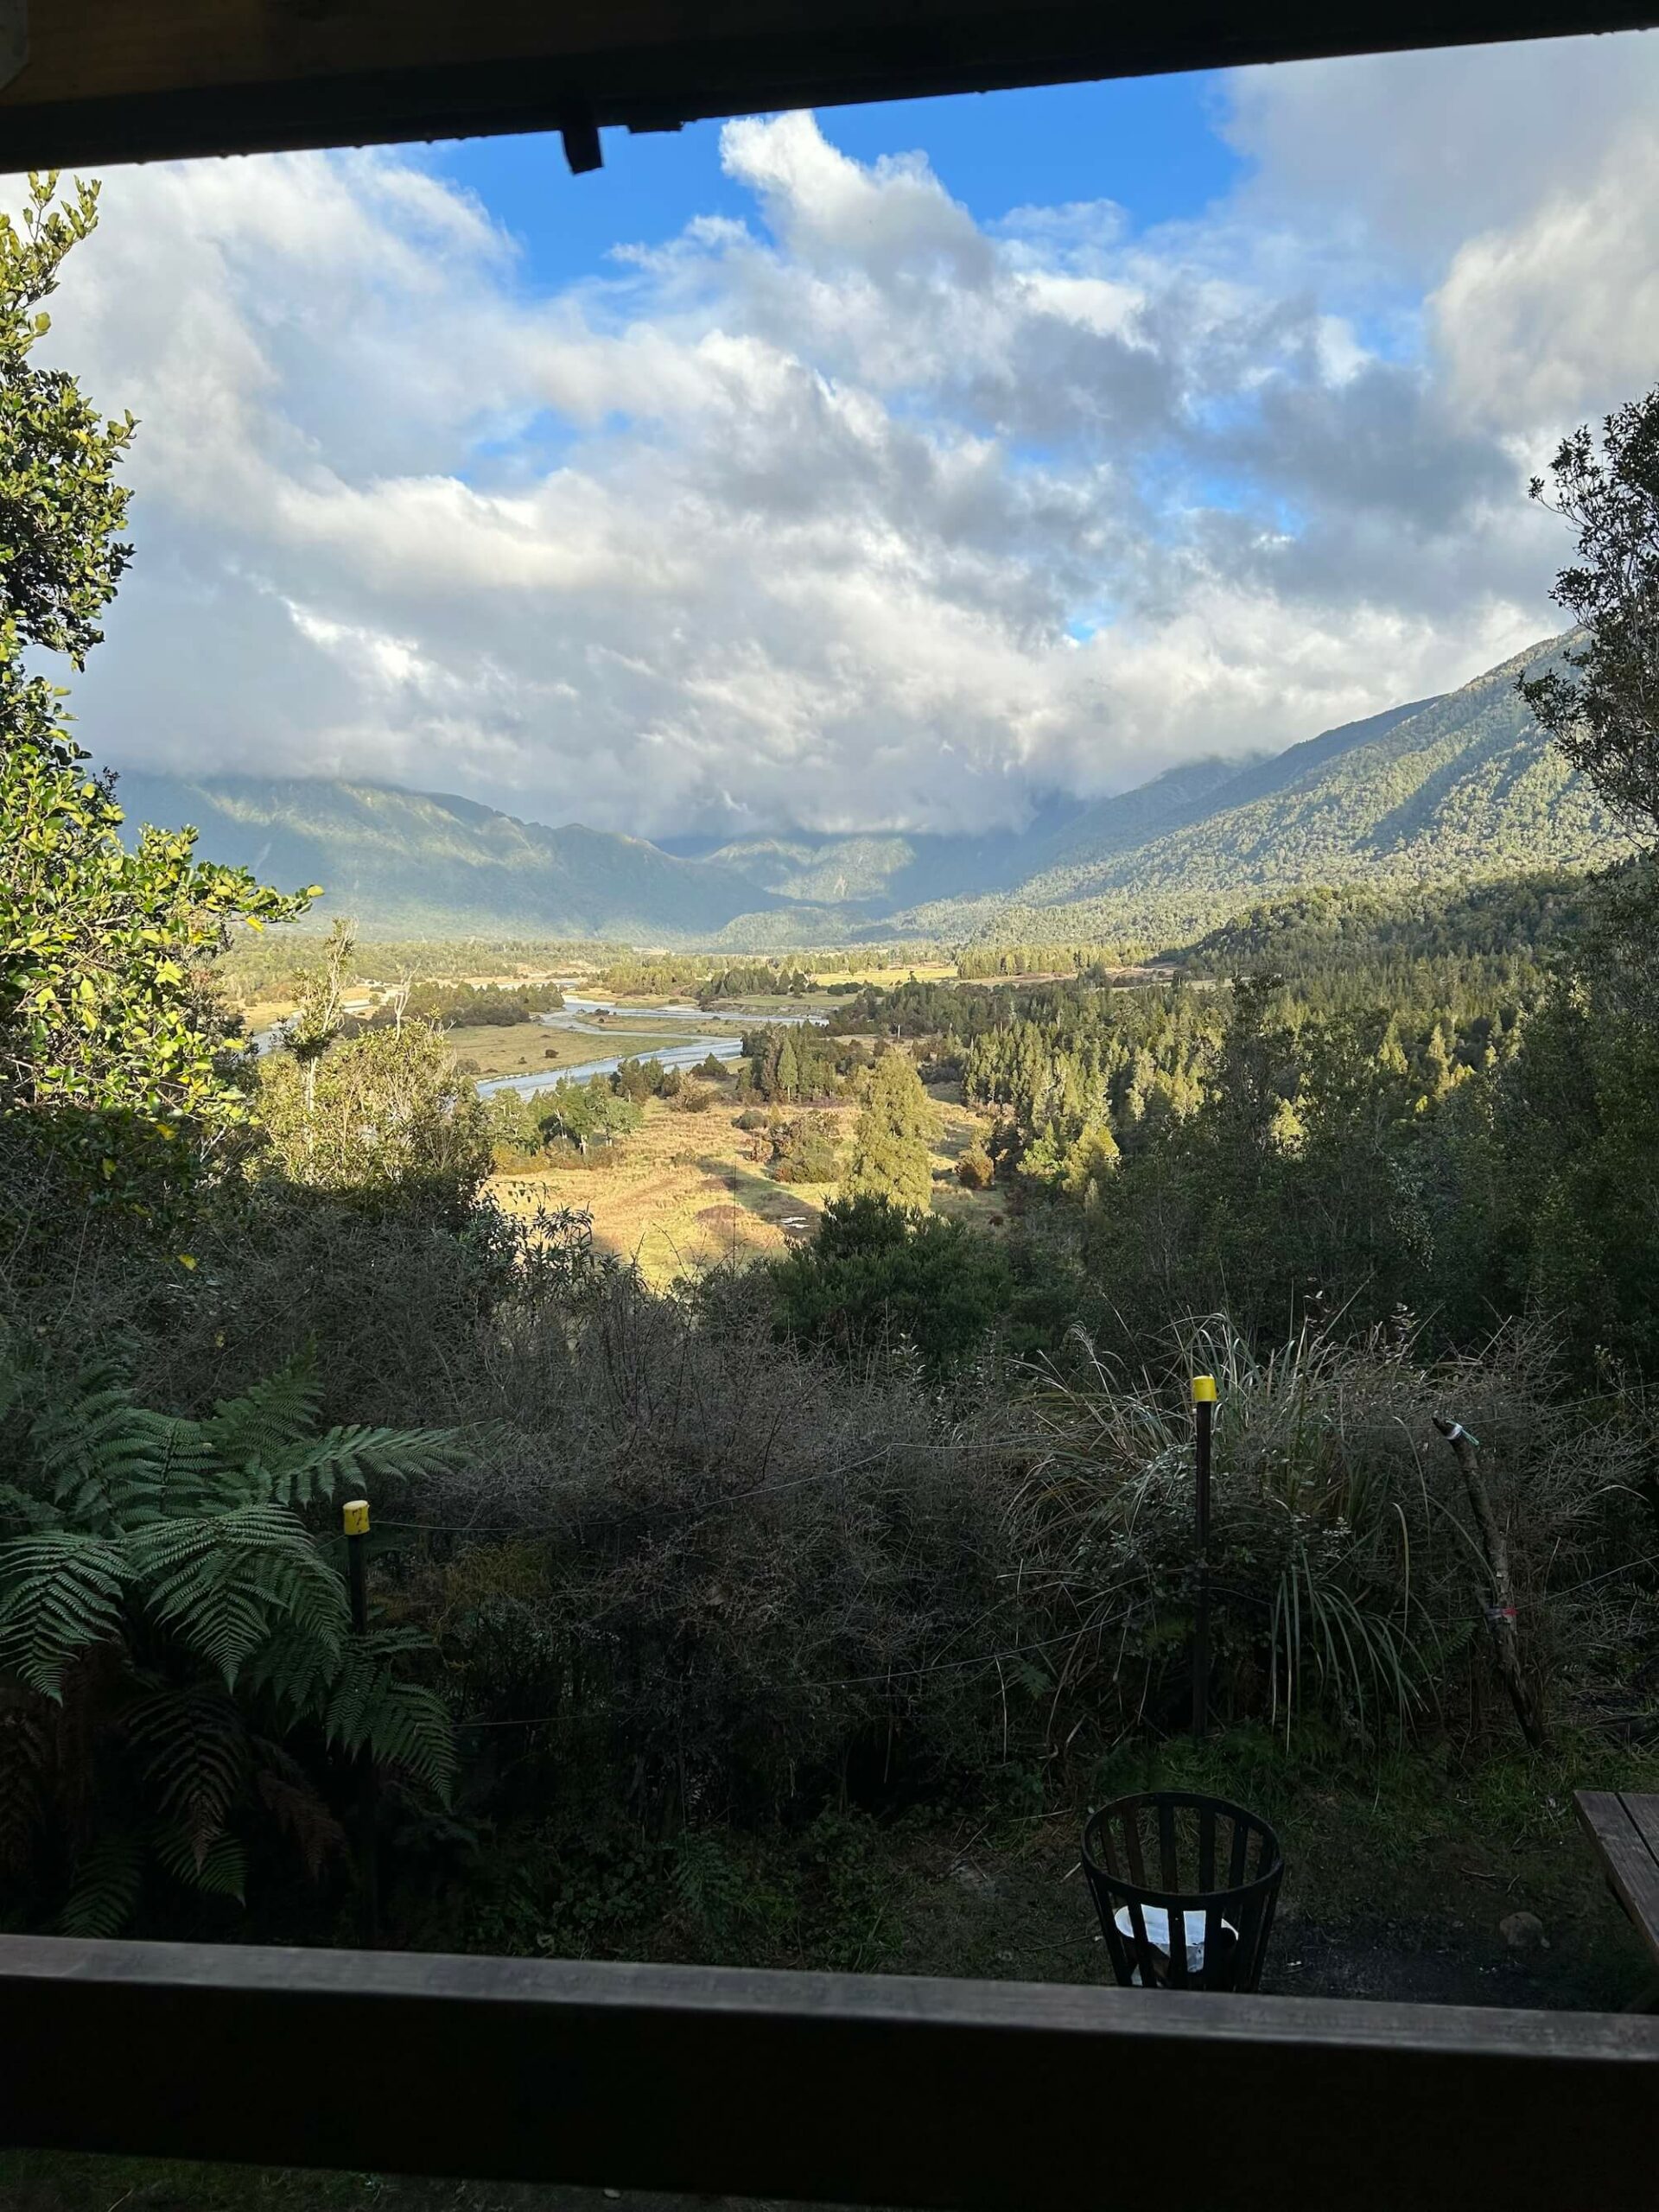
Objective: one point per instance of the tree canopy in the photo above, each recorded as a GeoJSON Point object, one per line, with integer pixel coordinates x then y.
{"type": "Point", "coordinates": [109, 1029]}
{"type": "Point", "coordinates": [1602, 706]}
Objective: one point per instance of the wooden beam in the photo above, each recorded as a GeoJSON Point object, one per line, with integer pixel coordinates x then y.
{"type": "Point", "coordinates": [1625, 1830]}
{"type": "Point", "coordinates": [847, 2088]}
{"type": "Point", "coordinates": [112, 80]}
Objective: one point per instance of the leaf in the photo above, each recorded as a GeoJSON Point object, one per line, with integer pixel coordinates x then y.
{"type": "Point", "coordinates": [289, 1796]}
{"type": "Point", "coordinates": [268, 1419]}
{"type": "Point", "coordinates": [222, 1583]}
{"type": "Point", "coordinates": [60, 1593]}
{"type": "Point", "coordinates": [391, 1455]}
{"type": "Point", "coordinates": [108, 1877]}
{"type": "Point", "coordinates": [399, 1723]}
{"type": "Point", "coordinates": [192, 1749]}
{"type": "Point", "coordinates": [219, 1871]}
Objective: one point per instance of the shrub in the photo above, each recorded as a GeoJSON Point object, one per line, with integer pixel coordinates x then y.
{"type": "Point", "coordinates": [876, 1279]}
{"type": "Point", "coordinates": [806, 1154]}
{"type": "Point", "coordinates": [976, 1169]}
{"type": "Point", "coordinates": [724, 1597]}
{"type": "Point", "coordinates": [1342, 1544]}
{"type": "Point", "coordinates": [378, 1118]}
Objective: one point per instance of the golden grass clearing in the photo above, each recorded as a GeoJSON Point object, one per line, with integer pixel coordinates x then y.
{"type": "Point", "coordinates": [685, 1191]}
{"type": "Point", "coordinates": [924, 972]}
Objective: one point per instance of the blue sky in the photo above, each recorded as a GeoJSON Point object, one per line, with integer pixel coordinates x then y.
{"type": "Point", "coordinates": [915, 465]}
{"type": "Point", "coordinates": [1149, 143]}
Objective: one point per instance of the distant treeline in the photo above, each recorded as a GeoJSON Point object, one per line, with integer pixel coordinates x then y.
{"type": "Point", "coordinates": [707, 978]}
{"type": "Point", "coordinates": [976, 963]}
{"type": "Point", "coordinates": [280, 965]}
{"type": "Point", "coordinates": [472, 1005]}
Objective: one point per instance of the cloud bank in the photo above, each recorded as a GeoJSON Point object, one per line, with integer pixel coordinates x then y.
{"type": "Point", "coordinates": [858, 511]}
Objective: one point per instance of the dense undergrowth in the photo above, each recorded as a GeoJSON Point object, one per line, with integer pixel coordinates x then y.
{"type": "Point", "coordinates": [713, 1614]}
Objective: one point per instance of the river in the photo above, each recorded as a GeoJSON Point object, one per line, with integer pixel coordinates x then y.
{"type": "Point", "coordinates": [689, 1055]}
{"type": "Point", "coordinates": [570, 1019]}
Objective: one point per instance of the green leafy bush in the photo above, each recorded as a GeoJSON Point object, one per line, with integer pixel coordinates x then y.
{"type": "Point", "coordinates": [876, 1279]}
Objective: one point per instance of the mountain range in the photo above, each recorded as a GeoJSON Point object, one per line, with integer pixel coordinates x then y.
{"type": "Point", "coordinates": [1459, 787]}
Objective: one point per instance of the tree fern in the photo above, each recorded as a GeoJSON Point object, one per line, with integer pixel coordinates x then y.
{"type": "Point", "coordinates": [162, 1586]}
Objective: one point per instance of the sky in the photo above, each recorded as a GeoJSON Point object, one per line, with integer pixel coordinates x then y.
{"type": "Point", "coordinates": [905, 467]}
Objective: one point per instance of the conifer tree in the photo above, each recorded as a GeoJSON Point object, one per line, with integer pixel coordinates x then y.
{"type": "Point", "coordinates": [1090, 1162]}
{"type": "Point", "coordinates": [789, 1071]}
{"type": "Point", "coordinates": [893, 1138]}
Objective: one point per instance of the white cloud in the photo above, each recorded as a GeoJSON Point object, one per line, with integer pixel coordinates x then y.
{"type": "Point", "coordinates": [860, 511]}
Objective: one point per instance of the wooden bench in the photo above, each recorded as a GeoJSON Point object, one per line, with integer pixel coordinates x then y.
{"type": "Point", "coordinates": [1625, 1829]}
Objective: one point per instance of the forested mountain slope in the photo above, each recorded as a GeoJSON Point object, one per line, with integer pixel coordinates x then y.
{"type": "Point", "coordinates": [1464, 787]}
{"type": "Point", "coordinates": [417, 862]}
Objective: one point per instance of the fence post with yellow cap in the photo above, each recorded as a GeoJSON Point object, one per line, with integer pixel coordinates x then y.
{"type": "Point", "coordinates": [355, 1518]}
{"type": "Point", "coordinates": [1204, 1409]}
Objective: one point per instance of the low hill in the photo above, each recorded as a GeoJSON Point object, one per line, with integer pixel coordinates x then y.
{"type": "Point", "coordinates": [1364, 925]}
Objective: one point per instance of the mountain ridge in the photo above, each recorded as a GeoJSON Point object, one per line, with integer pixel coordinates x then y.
{"type": "Point", "coordinates": [1460, 786]}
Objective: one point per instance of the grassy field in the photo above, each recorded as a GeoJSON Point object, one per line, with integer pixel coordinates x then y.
{"type": "Point", "coordinates": [688, 1190]}
{"type": "Point", "coordinates": [530, 1047]}
{"type": "Point", "coordinates": [924, 972]}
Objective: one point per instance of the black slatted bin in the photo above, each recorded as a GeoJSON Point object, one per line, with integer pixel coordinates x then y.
{"type": "Point", "coordinates": [1169, 1861]}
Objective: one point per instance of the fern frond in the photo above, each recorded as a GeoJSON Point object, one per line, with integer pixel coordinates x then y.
{"type": "Point", "coordinates": [220, 1871]}
{"type": "Point", "coordinates": [193, 1750]}
{"type": "Point", "coordinates": [288, 1795]}
{"type": "Point", "coordinates": [268, 1419]}
{"type": "Point", "coordinates": [108, 1877]}
{"type": "Point", "coordinates": [398, 1723]}
{"type": "Point", "coordinates": [34, 1512]}
{"type": "Point", "coordinates": [25, 1758]}
{"type": "Point", "coordinates": [111, 1463]}
{"type": "Point", "coordinates": [218, 1583]}
{"type": "Point", "coordinates": [59, 1592]}
{"type": "Point", "coordinates": [353, 1455]}
{"type": "Point", "coordinates": [293, 1670]}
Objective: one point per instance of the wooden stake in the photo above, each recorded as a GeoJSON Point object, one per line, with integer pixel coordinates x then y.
{"type": "Point", "coordinates": [355, 1516]}
{"type": "Point", "coordinates": [1500, 1608]}
{"type": "Point", "coordinates": [1204, 1408]}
